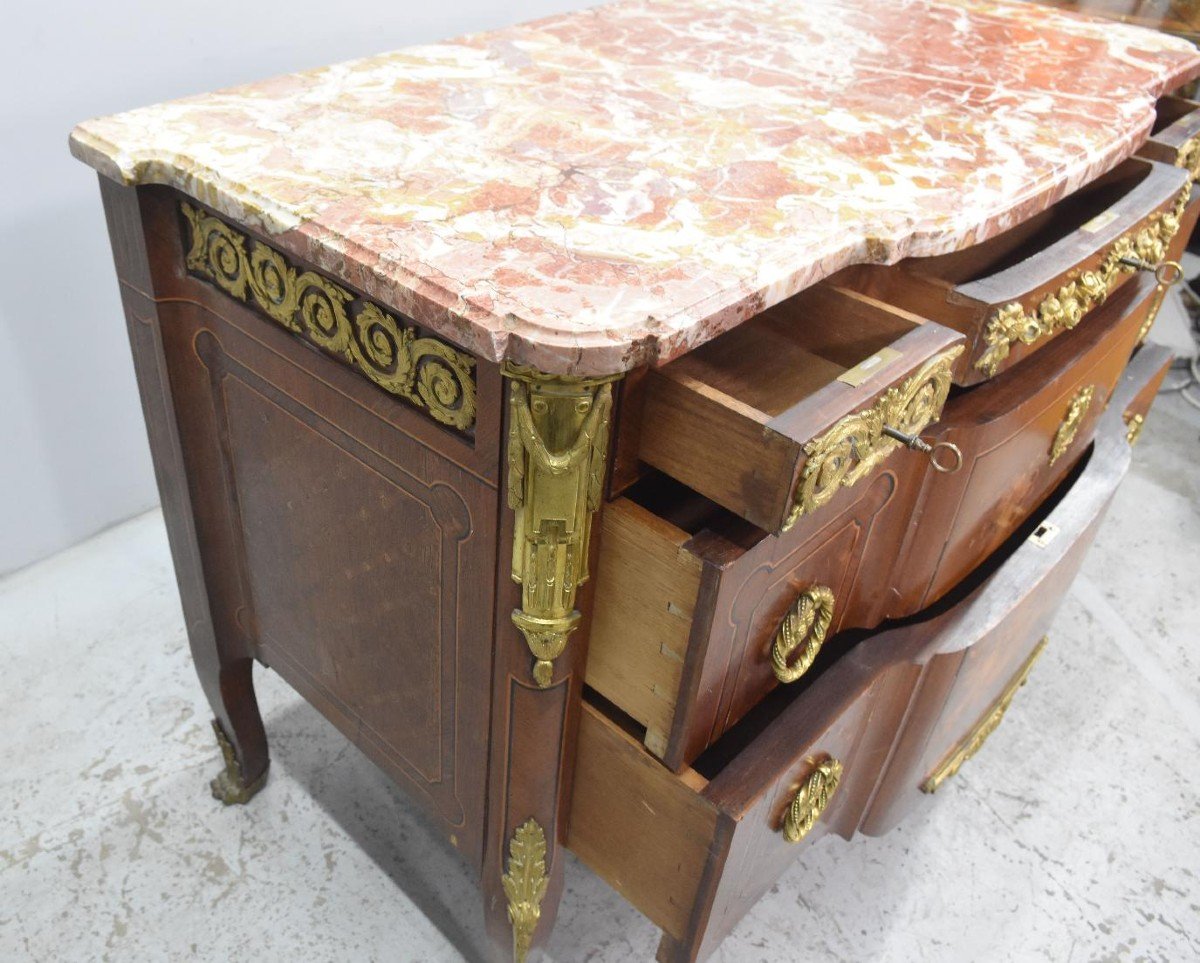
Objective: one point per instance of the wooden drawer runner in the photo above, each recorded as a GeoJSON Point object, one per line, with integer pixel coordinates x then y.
{"type": "Point", "coordinates": [698, 614]}
{"type": "Point", "coordinates": [777, 418]}
{"type": "Point", "coordinates": [1014, 293]}
{"type": "Point", "coordinates": [852, 752]}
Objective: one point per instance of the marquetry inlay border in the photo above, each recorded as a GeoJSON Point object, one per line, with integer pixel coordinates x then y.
{"type": "Point", "coordinates": [425, 372]}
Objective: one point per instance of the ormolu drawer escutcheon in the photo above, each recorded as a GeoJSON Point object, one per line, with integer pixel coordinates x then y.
{"type": "Point", "coordinates": [802, 629]}
{"type": "Point", "coordinates": [811, 799]}
{"type": "Point", "coordinates": [852, 448]}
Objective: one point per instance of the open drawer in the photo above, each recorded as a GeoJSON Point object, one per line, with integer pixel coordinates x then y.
{"type": "Point", "coordinates": [888, 722]}
{"type": "Point", "coordinates": [775, 419]}
{"type": "Point", "coordinates": [1012, 294]}
{"type": "Point", "coordinates": [698, 615]}
{"type": "Point", "coordinates": [1175, 137]}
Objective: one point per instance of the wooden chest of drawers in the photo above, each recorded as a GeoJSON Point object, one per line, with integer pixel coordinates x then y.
{"type": "Point", "coordinates": [677, 509]}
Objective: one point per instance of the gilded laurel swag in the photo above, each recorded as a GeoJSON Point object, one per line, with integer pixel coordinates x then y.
{"type": "Point", "coordinates": [424, 371]}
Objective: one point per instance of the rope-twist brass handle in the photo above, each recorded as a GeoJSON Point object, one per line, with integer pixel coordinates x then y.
{"type": "Point", "coordinates": [802, 630]}
{"type": "Point", "coordinates": [811, 799]}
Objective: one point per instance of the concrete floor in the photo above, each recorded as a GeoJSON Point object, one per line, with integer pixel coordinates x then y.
{"type": "Point", "coordinates": [1073, 836]}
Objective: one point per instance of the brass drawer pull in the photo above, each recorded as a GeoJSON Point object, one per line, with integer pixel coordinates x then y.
{"type": "Point", "coordinates": [985, 727]}
{"type": "Point", "coordinates": [919, 444]}
{"type": "Point", "coordinates": [1073, 418]}
{"type": "Point", "coordinates": [803, 629]}
{"type": "Point", "coordinates": [811, 799]}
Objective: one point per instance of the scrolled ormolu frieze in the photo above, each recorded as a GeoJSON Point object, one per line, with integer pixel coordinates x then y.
{"type": "Point", "coordinates": [423, 371]}
{"type": "Point", "coordinates": [852, 448]}
{"type": "Point", "coordinates": [1061, 310]}
{"type": "Point", "coordinates": [557, 451]}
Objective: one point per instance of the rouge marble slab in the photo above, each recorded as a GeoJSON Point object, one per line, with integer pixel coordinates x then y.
{"type": "Point", "coordinates": [595, 191]}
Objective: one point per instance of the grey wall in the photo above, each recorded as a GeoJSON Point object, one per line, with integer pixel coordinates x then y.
{"type": "Point", "coordinates": [73, 455]}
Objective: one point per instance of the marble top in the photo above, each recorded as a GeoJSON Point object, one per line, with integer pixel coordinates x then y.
{"type": "Point", "coordinates": [604, 189]}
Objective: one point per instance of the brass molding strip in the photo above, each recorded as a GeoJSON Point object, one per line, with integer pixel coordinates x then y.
{"type": "Point", "coordinates": [811, 799]}
{"type": "Point", "coordinates": [1065, 308]}
{"type": "Point", "coordinates": [1077, 408]}
{"type": "Point", "coordinates": [557, 455]}
{"type": "Point", "coordinates": [425, 372]}
{"type": "Point", "coordinates": [853, 447]}
{"type": "Point", "coordinates": [525, 884]}
{"type": "Point", "coordinates": [985, 727]}
{"type": "Point", "coordinates": [803, 629]}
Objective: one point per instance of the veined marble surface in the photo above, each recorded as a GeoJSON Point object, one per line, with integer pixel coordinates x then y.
{"type": "Point", "coordinates": [599, 190]}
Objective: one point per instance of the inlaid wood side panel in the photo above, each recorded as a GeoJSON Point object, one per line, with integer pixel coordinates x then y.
{"type": "Point", "coordinates": [346, 539]}
{"type": "Point", "coordinates": [365, 561]}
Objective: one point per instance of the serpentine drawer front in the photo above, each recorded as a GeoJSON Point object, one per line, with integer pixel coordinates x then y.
{"type": "Point", "coordinates": [698, 614]}
{"type": "Point", "coordinates": [1012, 294]}
{"type": "Point", "coordinates": [777, 418]}
{"type": "Point", "coordinates": [1020, 433]}
{"type": "Point", "coordinates": [887, 723]}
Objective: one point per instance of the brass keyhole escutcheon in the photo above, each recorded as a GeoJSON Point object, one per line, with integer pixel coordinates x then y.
{"type": "Point", "coordinates": [802, 633]}
{"type": "Point", "coordinates": [811, 799]}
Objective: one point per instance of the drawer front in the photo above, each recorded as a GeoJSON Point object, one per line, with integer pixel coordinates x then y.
{"type": "Point", "coordinates": [886, 723]}
{"type": "Point", "coordinates": [691, 631]}
{"type": "Point", "coordinates": [1013, 294]}
{"type": "Point", "coordinates": [777, 418]}
{"type": "Point", "coordinates": [1020, 435]}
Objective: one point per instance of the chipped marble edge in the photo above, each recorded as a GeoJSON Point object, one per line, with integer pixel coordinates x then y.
{"type": "Point", "coordinates": [616, 349]}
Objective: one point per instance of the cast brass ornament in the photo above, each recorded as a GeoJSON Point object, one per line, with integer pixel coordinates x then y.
{"type": "Point", "coordinates": [1076, 410]}
{"type": "Point", "coordinates": [802, 630]}
{"type": "Point", "coordinates": [557, 453]}
{"type": "Point", "coordinates": [852, 448]}
{"type": "Point", "coordinates": [811, 799]}
{"type": "Point", "coordinates": [230, 786]}
{"type": "Point", "coordinates": [1188, 157]}
{"type": "Point", "coordinates": [985, 727]}
{"type": "Point", "coordinates": [425, 372]}
{"type": "Point", "coordinates": [1063, 309]}
{"type": "Point", "coordinates": [1133, 428]}
{"type": "Point", "coordinates": [525, 884]}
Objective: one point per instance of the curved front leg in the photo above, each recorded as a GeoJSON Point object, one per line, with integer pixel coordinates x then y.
{"type": "Point", "coordinates": [557, 431]}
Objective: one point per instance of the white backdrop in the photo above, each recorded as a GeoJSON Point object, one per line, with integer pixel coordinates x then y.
{"type": "Point", "coordinates": [73, 454]}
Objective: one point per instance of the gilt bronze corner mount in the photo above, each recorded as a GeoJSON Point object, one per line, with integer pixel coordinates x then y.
{"type": "Point", "coordinates": [557, 453]}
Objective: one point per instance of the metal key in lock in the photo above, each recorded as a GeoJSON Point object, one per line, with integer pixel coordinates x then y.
{"type": "Point", "coordinates": [916, 443]}
{"type": "Point", "coordinates": [1166, 273]}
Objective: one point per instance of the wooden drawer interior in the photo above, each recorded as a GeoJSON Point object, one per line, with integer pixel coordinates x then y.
{"type": "Point", "coordinates": [1053, 267]}
{"type": "Point", "coordinates": [732, 418]}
